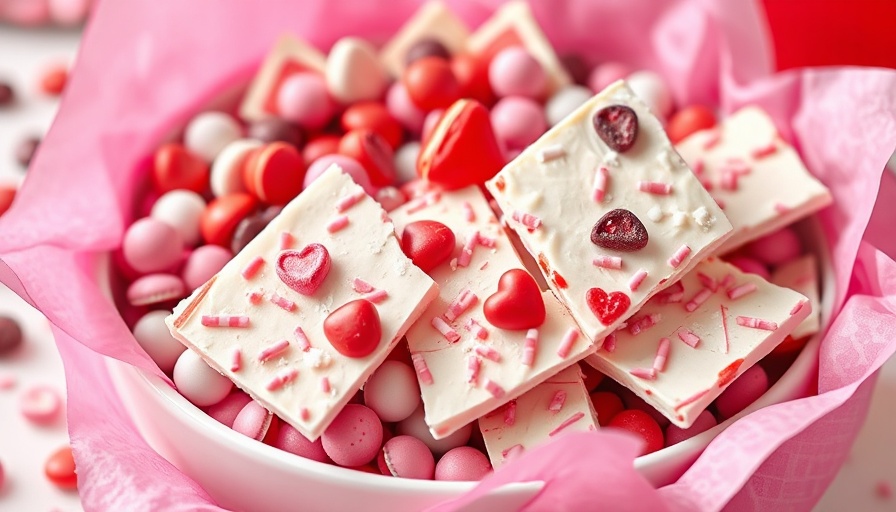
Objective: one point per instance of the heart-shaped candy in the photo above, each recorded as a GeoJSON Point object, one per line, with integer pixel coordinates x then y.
{"type": "Point", "coordinates": [354, 328]}
{"type": "Point", "coordinates": [617, 126]}
{"type": "Point", "coordinates": [428, 243]}
{"type": "Point", "coordinates": [305, 270]}
{"type": "Point", "coordinates": [517, 304]}
{"type": "Point", "coordinates": [354, 72]}
{"type": "Point", "coordinates": [607, 307]}
{"type": "Point", "coordinates": [619, 230]}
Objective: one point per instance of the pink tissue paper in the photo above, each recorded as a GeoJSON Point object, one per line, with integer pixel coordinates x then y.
{"type": "Point", "coordinates": [146, 66]}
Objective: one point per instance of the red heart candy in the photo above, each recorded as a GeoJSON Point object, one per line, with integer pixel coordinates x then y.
{"type": "Point", "coordinates": [428, 243]}
{"type": "Point", "coordinates": [517, 304]}
{"type": "Point", "coordinates": [607, 308]}
{"type": "Point", "coordinates": [354, 328]}
{"type": "Point", "coordinates": [304, 271]}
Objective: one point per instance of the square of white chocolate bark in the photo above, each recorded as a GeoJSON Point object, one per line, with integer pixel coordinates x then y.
{"type": "Point", "coordinates": [307, 381]}
{"type": "Point", "coordinates": [289, 56]}
{"type": "Point", "coordinates": [484, 366]}
{"type": "Point", "coordinates": [557, 406]}
{"type": "Point", "coordinates": [801, 275]}
{"type": "Point", "coordinates": [556, 190]}
{"type": "Point", "coordinates": [758, 178]}
{"type": "Point", "coordinates": [432, 21]}
{"type": "Point", "coordinates": [688, 343]}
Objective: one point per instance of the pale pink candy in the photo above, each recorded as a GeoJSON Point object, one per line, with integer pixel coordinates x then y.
{"type": "Point", "coordinates": [40, 404]}
{"type": "Point", "coordinates": [253, 421]}
{"type": "Point", "coordinates": [463, 463]}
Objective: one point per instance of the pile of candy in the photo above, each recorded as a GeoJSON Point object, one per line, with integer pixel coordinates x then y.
{"type": "Point", "coordinates": [409, 257]}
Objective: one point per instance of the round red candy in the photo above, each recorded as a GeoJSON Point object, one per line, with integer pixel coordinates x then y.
{"type": "Point", "coordinates": [607, 405]}
{"type": "Point", "coordinates": [427, 243]}
{"type": "Point", "coordinates": [53, 80]}
{"type": "Point", "coordinates": [374, 116]}
{"type": "Point", "coordinates": [472, 75]}
{"type": "Point", "coordinates": [431, 83]}
{"type": "Point", "coordinates": [689, 120]}
{"type": "Point", "coordinates": [320, 146]}
{"type": "Point", "coordinates": [174, 167]}
{"type": "Point", "coordinates": [641, 424]}
{"type": "Point", "coordinates": [354, 328]}
{"type": "Point", "coordinates": [222, 215]}
{"type": "Point", "coordinates": [372, 152]}
{"type": "Point", "coordinates": [60, 469]}
{"type": "Point", "coordinates": [7, 195]}
{"type": "Point", "coordinates": [274, 173]}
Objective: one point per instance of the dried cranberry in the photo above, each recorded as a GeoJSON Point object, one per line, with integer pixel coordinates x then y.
{"type": "Point", "coordinates": [617, 126]}
{"type": "Point", "coordinates": [619, 230]}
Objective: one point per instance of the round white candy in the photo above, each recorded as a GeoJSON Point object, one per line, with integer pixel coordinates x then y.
{"type": "Point", "coordinates": [565, 101]}
{"type": "Point", "coordinates": [182, 210]}
{"type": "Point", "coordinates": [152, 334]}
{"type": "Point", "coordinates": [406, 162]}
{"type": "Point", "coordinates": [652, 89]}
{"type": "Point", "coordinates": [392, 391]}
{"type": "Point", "coordinates": [209, 132]}
{"type": "Point", "coordinates": [415, 425]}
{"type": "Point", "coordinates": [226, 174]}
{"type": "Point", "coordinates": [198, 382]}
{"type": "Point", "coordinates": [354, 72]}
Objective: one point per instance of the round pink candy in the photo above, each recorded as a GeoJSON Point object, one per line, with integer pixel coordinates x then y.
{"type": "Point", "coordinates": [518, 121]}
{"type": "Point", "coordinates": [182, 210]}
{"type": "Point", "coordinates": [752, 384]}
{"type": "Point", "coordinates": [607, 73]}
{"type": "Point", "coordinates": [705, 421]}
{"type": "Point", "coordinates": [151, 245]}
{"type": "Point", "coordinates": [751, 266]}
{"type": "Point", "coordinates": [303, 99]}
{"type": "Point", "coordinates": [154, 337]}
{"type": "Point", "coordinates": [463, 464]}
{"type": "Point", "coordinates": [26, 12]}
{"type": "Point", "coordinates": [69, 12]}
{"type": "Point", "coordinates": [400, 106]}
{"type": "Point", "coordinates": [349, 165]}
{"type": "Point", "coordinates": [415, 425]}
{"type": "Point", "coordinates": [253, 421]}
{"type": "Point", "coordinates": [156, 288]}
{"type": "Point", "coordinates": [777, 248]}
{"type": "Point", "coordinates": [203, 263]}
{"type": "Point", "coordinates": [227, 409]}
{"type": "Point", "coordinates": [355, 436]}
{"type": "Point", "coordinates": [390, 198]}
{"type": "Point", "coordinates": [40, 405]}
{"type": "Point", "coordinates": [515, 72]}
{"type": "Point", "coordinates": [291, 440]}
{"type": "Point", "coordinates": [392, 391]}
{"type": "Point", "coordinates": [407, 457]}
{"type": "Point", "coordinates": [432, 119]}
{"type": "Point", "coordinates": [198, 382]}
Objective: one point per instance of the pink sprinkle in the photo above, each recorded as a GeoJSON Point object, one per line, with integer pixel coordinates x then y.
{"type": "Point", "coordinates": [464, 300]}
{"type": "Point", "coordinates": [304, 413]}
{"type": "Point", "coordinates": [714, 137]}
{"type": "Point", "coordinates": [445, 329]}
{"type": "Point", "coordinates": [726, 281]}
{"type": "Point", "coordinates": [252, 267]}
{"type": "Point", "coordinates": [337, 223]}
{"type": "Point", "coordinates": [530, 347]}
{"type": "Point", "coordinates": [662, 355]}
{"type": "Point", "coordinates": [493, 388]}
{"type": "Point", "coordinates": [484, 264]}
{"type": "Point", "coordinates": [679, 256]}
{"type": "Point", "coordinates": [640, 324]}
{"type": "Point", "coordinates": [486, 241]}
{"type": "Point", "coordinates": [610, 343]}
{"type": "Point", "coordinates": [557, 402]}
{"type": "Point", "coordinates": [613, 262]}
{"type": "Point", "coordinates": [282, 302]}
{"type": "Point", "coordinates": [756, 323]}
{"type": "Point", "coordinates": [566, 343]}
{"type": "Point", "coordinates": [428, 199]}
{"type": "Point", "coordinates": [701, 297]}
{"type": "Point", "coordinates": [655, 187]}
{"type": "Point", "coordinates": [473, 326]}
{"type": "Point", "coordinates": [706, 182]}
{"type": "Point", "coordinates": [489, 353]}
{"type": "Point", "coordinates": [688, 337]}
{"type": "Point", "coordinates": [530, 221]}
{"type": "Point", "coordinates": [698, 167]}
{"type": "Point", "coordinates": [225, 321]}
{"type": "Point", "coordinates": [512, 452]}
{"type": "Point", "coordinates": [302, 339]}
{"type": "Point", "coordinates": [708, 281]}
{"type": "Point", "coordinates": [325, 384]}
{"type": "Point", "coordinates": [569, 421]}
{"type": "Point", "coordinates": [473, 366]}
{"type": "Point", "coordinates": [781, 208]}
{"type": "Point", "coordinates": [691, 399]}
{"type": "Point", "coordinates": [287, 241]}
{"type": "Point", "coordinates": [236, 360]}
{"type": "Point", "coordinates": [796, 309]}
{"type": "Point", "coordinates": [282, 379]}
{"type": "Point", "coordinates": [422, 370]}
{"type": "Point", "coordinates": [361, 286]}
{"type": "Point", "coordinates": [347, 201]}
{"type": "Point", "coordinates": [736, 166]}
{"type": "Point", "coordinates": [466, 253]}
{"type": "Point", "coordinates": [469, 214]}
{"type": "Point", "coordinates": [764, 151]}
{"type": "Point", "coordinates": [724, 312]}
{"type": "Point", "coordinates": [644, 373]}
{"type": "Point", "coordinates": [377, 296]}
{"type": "Point", "coordinates": [273, 351]}
{"type": "Point", "coordinates": [739, 291]}
{"type": "Point", "coordinates": [600, 184]}
{"type": "Point", "coordinates": [728, 180]}
{"type": "Point", "coordinates": [510, 413]}
{"type": "Point", "coordinates": [672, 294]}
{"type": "Point", "coordinates": [7, 382]}
{"type": "Point", "coordinates": [636, 280]}
{"type": "Point", "coordinates": [255, 297]}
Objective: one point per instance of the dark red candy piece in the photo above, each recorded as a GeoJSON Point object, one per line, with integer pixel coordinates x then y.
{"type": "Point", "coordinates": [10, 335]}
{"type": "Point", "coordinates": [372, 152]}
{"type": "Point", "coordinates": [304, 271]}
{"type": "Point", "coordinates": [426, 47]}
{"type": "Point", "coordinates": [428, 243]}
{"type": "Point", "coordinates": [517, 304]}
{"type": "Point", "coordinates": [354, 328]}
{"type": "Point", "coordinates": [619, 230]}
{"type": "Point", "coordinates": [607, 307]}
{"type": "Point", "coordinates": [617, 126]}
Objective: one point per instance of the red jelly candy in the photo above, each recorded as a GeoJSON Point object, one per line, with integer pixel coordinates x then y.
{"type": "Point", "coordinates": [431, 83]}
{"type": "Point", "coordinates": [617, 126]}
{"type": "Point", "coordinates": [373, 115]}
{"type": "Point", "coordinates": [372, 152]}
{"type": "Point", "coordinates": [607, 308]}
{"type": "Point", "coordinates": [222, 215]}
{"type": "Point", "coordinates": [174, 167]}
{"type": "Point", "coordinates": [462, 150]}
{"type": "Point", "coordinates": [517, 304]}
{"type": "Point", "coordinates": [689, 120]}
{"type": "Point", "coordinates": [60, 469]}
{"type": "Point", "coordinates": [274, 173]}
{"type": "Point", "coordinates": [354, 329]}
{"type": "Point", "coordinates": [428, 243]}
{"type": "Point", "coordinates": [607, 405]}
{"type": "Point", "coordinates": [619, 230]}
{"type": "Point", "coordinates": [305, 270]}
{"type": "Point", "coordinates": [641, 424]}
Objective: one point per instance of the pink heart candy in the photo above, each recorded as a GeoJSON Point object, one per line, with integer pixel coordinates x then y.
{"type": "Point", "coordinates": [305, 270]}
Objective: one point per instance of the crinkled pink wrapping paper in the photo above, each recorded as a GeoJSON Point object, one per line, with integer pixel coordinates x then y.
{"type": "Point", "coordinates": [146, 65]}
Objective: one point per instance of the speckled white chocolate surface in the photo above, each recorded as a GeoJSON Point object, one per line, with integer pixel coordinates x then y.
{"type": "Point", "coordinates": [434, 20]}
{"type": "Point", "coordinates": [692, 377]}
{"type": "Point", "coordinates": [557, 406]}
{"type": "Point", "coordinates": [559, 191]}
{"type": "Point", "coordinates": [451, 400]}
{"type": "Point", "coordinates": [366, 248]}
{"type": "Point", "coordinates": [756, 176]}
{"type": "Point", "coordinates": [801, 275]}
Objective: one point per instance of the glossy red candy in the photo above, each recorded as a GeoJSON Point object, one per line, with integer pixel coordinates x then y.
{"type": "Point", "coordinates": [431, 83]}
{"type": "Point", "coordinates": [372, 152]}
{"type": "Point", "coordinates": [517, 304]}
{"type": "Point", "coordinates": [320, 146]}
{"type": "Point", "coordinates": [617, 126]}
{"type": "Point", "coordinates": [222, 215]}
{"type": "Point", "coordinates": [174, 167]}
{"type": "Point", "coordinates": [354, 328]}
{"type": "Point", "coordinates": [607, 307]}
{"type": "Point", "coordinates": [305, 270]}
{"type": "Point", "coordinates": [60, 469]}
{"type": "Point", "coordinates": [607, 405]}
{"type": "Point", "coordinates": [274, 173]}
{"type": "Point", "coordinates": [620, 230]}
{"type": "Point", "coordinates": [641, 424]}
{"type": "Point", "coordinates": [7, 195]}
{"type": "Point", "coordinates": [472, 74]}
{"type": "Point", "coordinates": [689, 120]}
{"type": "Point", "coordinates": [373, 115]}
{"type": "Point", "coordinates": [427, 243]}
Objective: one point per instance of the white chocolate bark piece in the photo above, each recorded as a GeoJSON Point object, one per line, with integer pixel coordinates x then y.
{"type": "Point", "coordinates": [711, 337]}
{"type": "Point", "coordinates": [513, 25]}
{"type": "Point", "coordinates": [485, 367]}
{"type": "Point", "coordinates": [555, 182]}
{"type": "Point", "coordinates": [801, 275]}
{"type": "Point", "coordinates": [434, 20]}
{"type": "Point", "coordinates": [557, 406]}
{"type": "Point", "coordinates": [757, 177]}
{"type": "Point", "coordinates": [289, 55]}
{"type": "Point", "coordinates": [303, 379]}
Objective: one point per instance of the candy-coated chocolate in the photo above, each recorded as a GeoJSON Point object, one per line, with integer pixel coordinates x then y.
{"type": "Point", "coordinates": [652, 89]}
{"type": "Point", "coordinates": [472, 75]}
{"type": "Point", "coordinates": [355, 436]}
{"type": "Point", "coordinates": [7, 196]}
{"type": "Point", "coordinates": [751, 266]}
{"type": "Point", "coordinates": [607, 405]}
{"type": "Point", "coordinates": [319, 146]}
{"type": "Point", "coordinates": [151, 245]}
{"type": "Point", "coordinates": [227, 169]}
{"type": "Point", "coordinates": [370, 150]}
{"type": "Point", "coordinates": [198, 382]}
{"type": "Point", "coordinates": [25, 150]}
{"type": "Point", "coordinates": [606, 73]}
{"type": "Point", "coordinates": [227, 409]}
{"type": "Point", "coordinates": [641, 424]}
{"type": "Point", "coordinates": [402, 108]}
{"type": "Point", "coordinates": [426, 47]}
{"type": "Point", "coordinates": [274, 129]}
{"type": "Point", "coordinates": [274, 173]}
{"type": "Point", "coordinates": [518, 121]}
{"type": "Point", "coordinates": [517, 304]}
{"type": "Point", "coordinates": [291, 440]}
{"type": "Point", "coordinates": [223, 214]}
{"type": "Point", "coordinates": [253, 421]}
{"type": "Point", "coordinates": [431, 84]}
{"type": "Point", "coordinates": [153, 336]}
{"type": "Point", "coordinates": [428, 243]}
{"type": "Point", "coordinates": [10, 335]}
{"type": "Point", "coordinates": [60, 469]}
{"type": "Point", "coordinates": [7, 94]}
{"type": "Point", "coordinates": [181, 209]}
{"type": "Point", "coordinates": [354, 328]}
{"type": "Point", "coordinates": [251, 226]}
{"type": "Point", "coordinates": [676, 434]}
{"type": "Point", "coordinates": [203, 263]}
{"type": "Point", "coordinates": [463, 464]}
{"type": "Point", "coordinates": [415, 425]}
{"type": "Point", "coordinates": [210, 132]}
{"type": "Point", "coordinates": [348, 165]}
{"type": "Point", "coordinates": [689, 120]}
{"type": "Point", "coordinates": [407, 457]}
{"type": "Point", "coordinates": [354, 72]}
{"type": "Point", "coordinates": [40, 405]}
{"type": "Point", "coordinates": [515, 72]}
{"type": "Point", "coordinates": [406, 162]}
{"type": "Point", "coordinates": [373, 115]}
{"type": "Point", "coordinates": [304, 270]}
{"type": "Point", "coordinates": [392, 391]}
{"type": "Point", "coordinates": [576, 67]}
{"type": "Point", "coordinates": [174, 166]}
{"type": "Point", "coordinates": [564, 102]}
{"type": "Point", "coordinates": [745, 390]}
{"type": "Point", "coordinates": [155, 289]}
{"type": "Point", "coordinates": [54, 79]}
{"type": "Point", "coordinates": [303, 99]}
{"type": "Point", "coordinates": [777, 248]}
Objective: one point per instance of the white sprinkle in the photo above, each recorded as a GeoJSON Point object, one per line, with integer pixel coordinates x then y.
{"type": "Point", "coordinates": [611, 158]}
{"type": "Point", "coordinates": [655, 214]}
{"type": "Point", "coordinates": [550, 153]}
{"type": "Point", "coordinates": [679, 219]}
{"type": "Point", "coordinates": [702, 217]}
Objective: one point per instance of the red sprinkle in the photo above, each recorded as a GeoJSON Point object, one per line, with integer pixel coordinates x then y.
{"type": "Point", "coordinates": [473, 366]}
{"type": "Point", "coordinates": [566, 423]}
{"type": "Point", "coordinates": [600, 184]}
{"type": "Point", "coordinates": [644, 373]}
{"type": "Point", "coordinates": [252, 267]}
{"type": "Point", "coordinates": [494, 388]}
{"type": "Point", "coordinates": [566, 343]}
{"type": "Point", "coordinates": [530, 221]}
{"type": "Point", "coordinates": [510, 413]}
{"type": "Point", "coordinates": [655, 187]}
{"type": "Point", "coordinates": [283, 303]}
{"type": "Point", "coordinates": [236, 360]}
{"type": "Point", "coordinates": [302, 339]}
{"type": "Point", "coordinates": [557, 401]}
{"type": "Point", "coordinates": [282, 379]}
{"type": "Point", "coordinates": [530, 347]}
{"type": "Point", "coordinates": [679, 256]}
{"type": "Point", "coordinates": [325, 384]}
{"type": "Point", "coordinates": [688, 337]}
{"type": "Point", "coordinates": [764, 151]}
{"type": "Point", "coordinates": [469, 214]}
{"type": "Point", "coordinates": [662, 355]}
{"type": "Point", "coordinates": [337, 223]}
{"type": "Point", "coordinates": [729, 373]}
{"type": "Point", "coordinates": [739, 291]}
{"type": "Point", "coordinates": [445, 329]}
{"type": "Point", "coordinates": [273, 351]}
{"type": "Point", "coordinates": [691, 399]}
{"type": "Point", "coordinates": [347, 201]}
{"type": "Point", "coordinates": [756, 323]}
{"type": "Point", "coordinates": [287, 241]}
{"type": "Point", "coordinates": [422, 369]}
{"type": "Point", "coordinates": [698, 300]}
